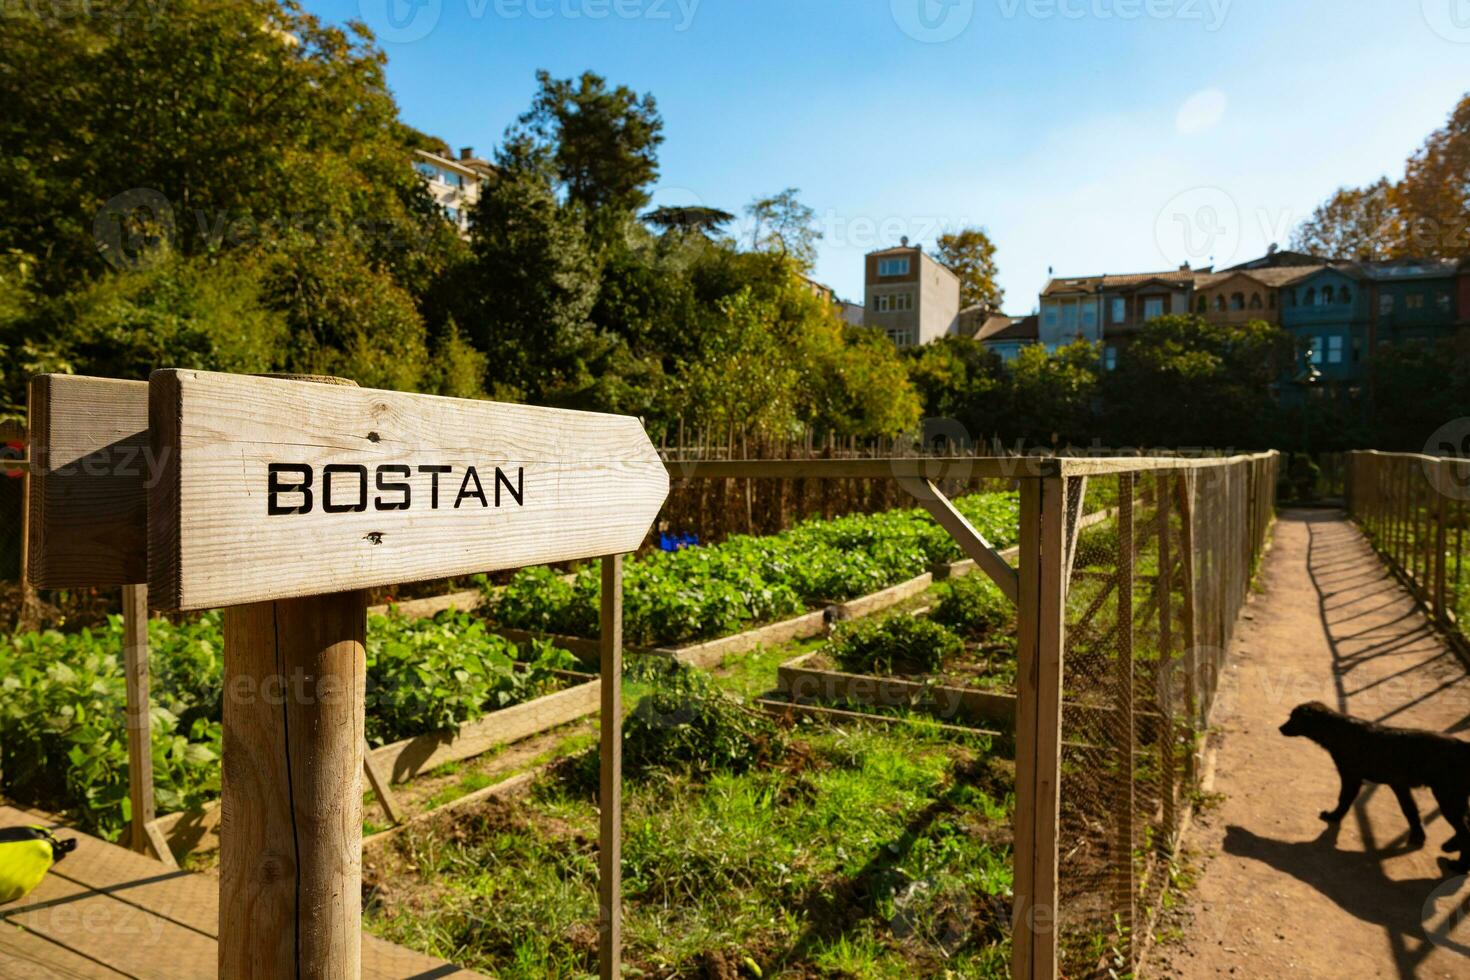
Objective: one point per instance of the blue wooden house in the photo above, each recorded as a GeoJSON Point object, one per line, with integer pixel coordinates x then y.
{"type": "Point", "coordinates": [1415, 299]}
{"type": "Point", "coordinates": [1326, 311]}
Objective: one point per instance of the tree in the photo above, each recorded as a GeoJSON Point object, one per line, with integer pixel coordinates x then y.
{"type": "Point", "coordinates": [1187, 382]}
{"type": "Point", "coordinates": [529, 287]}
{"type": "Point", "coordinates": [958, 378]}
{"type": "Point", "coordinates": [1434, 197]}
{"type": "Point", "coordinates": [706, 221]}
{"type": "Point", "coordinates": [1354, 223]}
{"type": "Point", "coordinates": [601, 143]}
{"type": "Point", "coordinates": [970, 254]}
{"type": "Point", "coordinates": [1054, 396]}
{"type": "Point", "coordinates": [784, 225]}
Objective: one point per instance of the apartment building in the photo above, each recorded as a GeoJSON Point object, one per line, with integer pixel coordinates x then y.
{"type": "Point", "coordinates": [910, 296]}
{"type": "Point", "coordinates": [453, 183]}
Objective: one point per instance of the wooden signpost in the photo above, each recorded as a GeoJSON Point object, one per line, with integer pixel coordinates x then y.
{"type": "Point", "coordinates": [282, 501]}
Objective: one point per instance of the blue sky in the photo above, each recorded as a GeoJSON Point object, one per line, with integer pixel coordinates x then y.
{"type": "Point", "coordinates": [1086, 135]}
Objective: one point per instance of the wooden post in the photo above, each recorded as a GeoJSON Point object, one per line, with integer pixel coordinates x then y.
{"type": "Point", "coordinates": [1123, 681]}
{"type": "Point", "coordinates": [1042, 593]}
{"type": "Point", "coordinates": [610, 775]}
{"type": "Point", "coordinates": [1167, 736]}
{"type": "Point", "coordinates": [291, 800]}
{"type": "Point", "coordinates": [1185, 491]}
{"type": "Point", "coordinates": [143, 835]}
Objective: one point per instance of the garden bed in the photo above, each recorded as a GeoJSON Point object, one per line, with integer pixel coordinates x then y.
{"type": "Point", "coordinates": [796, 851]}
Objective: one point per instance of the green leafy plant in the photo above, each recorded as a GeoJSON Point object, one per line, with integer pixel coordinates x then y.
{"type": "Point", "coordinates": [896, 645]}
{"type": "Point", "coordinates": [697, 593]}
{"type": "Point", "coordinates": [974, 607]}
{"type": "Point", "coordinates": [688, 723]}
{"type": "Point", "coordinates": [427, 675]}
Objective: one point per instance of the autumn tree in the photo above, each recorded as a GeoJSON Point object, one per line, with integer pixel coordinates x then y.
{"type": "Point", "coordinates": [1354, 223]}
{"type": "Point", "coordinates": [971, 255]}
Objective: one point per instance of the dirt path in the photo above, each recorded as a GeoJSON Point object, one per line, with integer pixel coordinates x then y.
{"type": "Point", "coordinates": [1282, 894]}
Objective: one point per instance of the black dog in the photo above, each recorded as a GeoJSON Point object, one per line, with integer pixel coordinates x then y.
{"type": "Point", "coordinates": [1400, 758]}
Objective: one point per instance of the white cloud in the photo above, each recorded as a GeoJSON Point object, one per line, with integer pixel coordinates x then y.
{"type": "Point", "coordinates": [1201, 111]}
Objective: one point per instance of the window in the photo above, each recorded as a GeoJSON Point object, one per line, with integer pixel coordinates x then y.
{"type": "Point", "coordinates": [426, 169]}
{"type": "Point", "coordinates": [1314, 350]}
{"type": "Point", "coordinates": [1049, 317]}
{"type": "Point", "coordinates": [1442, 301]}
{"type": "Point", "coordinates": [1414, 301]}
{"type": "Point", "coordinates": [1334, 349]}
{"type": "Point", "coordinates": [1120, 309]}
{"type": "Point", "coordinates": [453, 214]}
{"type": "Point", "coordinates": [1311, 296]}
{"type": "Point", "coordinates": [900, 338]}
{"type": "Point", "coordinates": [1385, 303]}
{"type": "Point", "coordinates": [1255, 301]}
{"type": "Point", "coordinates": [893, 267]}
{"type": "Point", "coordinates": [1270, 301]}
{"type": "Point", "coordinates": [895, 302]}
{"type": "Point", "coordinates": [1089, 316]}
{"type": "Point", "coordinates": [1204, 304]}
{"type": "Point", "coordinates": [1069, 317]}
{"type": "Point", "coordinates": [1326, 295]}
{"type": "Point", "coordinates": [1220, 303]}
{"type": "Point", "coordinates": [1237, 301]}
{"type": "Point", "coordinates": [1110, 358]}
{"type": "Point", "coordinates": [1153, 306]}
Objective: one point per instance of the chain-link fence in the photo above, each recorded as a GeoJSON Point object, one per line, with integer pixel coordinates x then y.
{"type": "Point", "coordinates": [1148, 603]}
{"type": "Point", "coordinates": [1415, 510]}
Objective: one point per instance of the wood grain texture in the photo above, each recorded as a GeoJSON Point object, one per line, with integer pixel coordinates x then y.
{"type": "Point", "coordinates": [291, 800]}
{"type": "Point", "coordinates": [90, 464]}
{"type": "Point", "coordinates": [143, 836]}
{"type": "Point", "coordinates": [588, 484]}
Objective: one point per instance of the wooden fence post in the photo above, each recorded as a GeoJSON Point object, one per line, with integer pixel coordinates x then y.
{"type": "Point", "coordinates": [610, 775]}
{"type": "Point", "coordinates": [1123, 886]}
{"type": "Point", "coordinates": [143, 835]}
{"type": "Point", "coordinates": [1042, 592]}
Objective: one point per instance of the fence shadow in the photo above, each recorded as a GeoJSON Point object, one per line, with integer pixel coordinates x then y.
{"type": "Point", "coordinates": [1382, 648]}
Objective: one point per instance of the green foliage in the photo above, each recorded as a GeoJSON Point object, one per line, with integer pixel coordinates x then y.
{"type": "Point", "coordinates": [429, 675]}
{"type": "Point", "coordinates": [63, 738]}
{"type": "Point", "coordinates": [784, 225]}
{"type": "Point", "coordinates": [1185, 381]}
{"type": "Point", "coordinates": [900, 644]}
{"type": "Point", "coordinates": [974, 607]}
{"type": "Point", "coordinates": [695, 593]}
{"type": "Point", "coordinates": [687, 723]}
{"type": "Point", "coordinates": [1053, 395]}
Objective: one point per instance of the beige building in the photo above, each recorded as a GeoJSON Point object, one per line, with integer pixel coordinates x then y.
{"type": "Point", "coordinates": [454, 184]}
{"type": "Point", "coordinates": [909, 296]}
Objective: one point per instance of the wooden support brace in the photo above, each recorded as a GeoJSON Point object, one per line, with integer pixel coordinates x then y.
{"type": "Point", "coordinates": [970, 540]}
{"type": "Point", "coordinates": [380, 784]}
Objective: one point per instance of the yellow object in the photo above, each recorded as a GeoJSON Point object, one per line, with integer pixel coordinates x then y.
{"type": "Point", "coordinates": [26, 854]}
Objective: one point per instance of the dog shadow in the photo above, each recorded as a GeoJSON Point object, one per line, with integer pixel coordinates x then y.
{"type": "Point", "coordinates": [1352, 880]}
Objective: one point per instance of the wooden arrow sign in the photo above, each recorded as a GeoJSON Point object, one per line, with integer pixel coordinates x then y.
{"type": "Point", "coordinates": [272, 488]}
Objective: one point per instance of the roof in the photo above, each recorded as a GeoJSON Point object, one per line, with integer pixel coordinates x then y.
{"type": "Point", "coordinates": [1273, 277]}
{"type": "Point", "coordinates": [471, 167]}
{"type": "Point", "coordinates": [1411, 269]}
{"type": "Point", "coordinates": [1091, 284]}
{"type": "Point", "coordinates": [1281, 258]}
{"type": "Point", "coordinates": [999, 326]}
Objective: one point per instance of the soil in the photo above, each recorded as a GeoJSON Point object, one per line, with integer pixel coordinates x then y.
{"type": "Point", "coordinates": [1282, 893]}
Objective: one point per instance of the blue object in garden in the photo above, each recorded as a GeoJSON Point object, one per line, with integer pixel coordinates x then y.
{"type": "Point", "coordinates": [676, 542]}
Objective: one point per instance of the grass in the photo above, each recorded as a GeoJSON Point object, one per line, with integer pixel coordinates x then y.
{"type": "Point", "coordinates": [868, 853]}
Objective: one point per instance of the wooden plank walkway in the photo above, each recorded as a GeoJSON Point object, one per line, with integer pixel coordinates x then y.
{"type": "Point", "coordinates": [107, 912]}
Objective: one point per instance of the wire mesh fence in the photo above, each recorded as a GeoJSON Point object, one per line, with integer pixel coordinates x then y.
{"type": "Point", "coordinates": [1151, 599]}
{"type": "Point", "coordinates": [1415, 510]}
